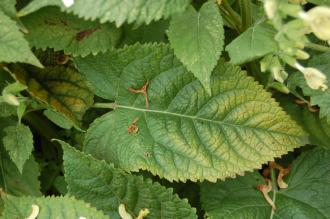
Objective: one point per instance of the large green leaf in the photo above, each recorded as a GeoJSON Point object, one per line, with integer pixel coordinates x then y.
{"type": "Point", "coordinates": [118, 11]}
{"type": "Point", "coordinates": [13, 46]}
{"type": "Point", "coordinates": [106, 187]}
{"type": "Point", "coordinates": [306, 197]}
{"type": "Point", "coordinates": [51, 28]}
{"type": "Point", "coordinates": [11, 180]}
{"type": "Point", "coordinates": [62, 88]}
{"type": "Point", "coordinates": [317, 97]}
{"type": "Point", "coordinates": [49, 208]}
{"type": "Point", "coordinates": [18, 141]}
{"type": "Point", "coordinates": [197, 40]}
{"type": "Point", "coordinates": [254, 43]}
{"type": "Point", "coordinates": [185, 133]}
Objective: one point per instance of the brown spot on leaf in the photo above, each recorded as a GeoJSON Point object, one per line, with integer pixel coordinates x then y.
{"type": "Point", "coordinates": [133, 129]}
{"type": "Point", "coordinates": [85, 33]}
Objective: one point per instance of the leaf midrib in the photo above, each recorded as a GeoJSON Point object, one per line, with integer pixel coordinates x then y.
{"type": "Point", "coordinates": [199, 118]}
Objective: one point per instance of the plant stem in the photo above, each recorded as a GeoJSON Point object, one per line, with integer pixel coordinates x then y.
{"type": "Point", "coordinates": [246, 14]}
{"type": "Point", "coordinates": [105, 105]}
{"type": "Point", "coordinates": [231, 15]}
{"type": "Point", "coordinates": [274, 187]}
{"type": "Point", "coordinates": [318, 47]}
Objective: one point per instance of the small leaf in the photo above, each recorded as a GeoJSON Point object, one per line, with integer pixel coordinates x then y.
{"type": "Point", "coordinates": [254, 43]}
{"type": "Point", "coordinates": [106, 188]}
{"type": "Point", "coordinates": [13, 46]}
{"type": "Point", "coordinates": [306, 197]}
{"type": "Point", "coordinates": [58, 119]}
{"type": "Point", "coordinates": [118, 11]}
{"type": "Point", "coordinates": [49, 208]}
{"type": "Point", "coordinates": [11, 180]}
{"type": "Point", "coordinates": [197, 40]}
{"type": "Point", "coordinates": [18, 141]}
{"type": "Point", "coordinates": [185, 133]}
{"type": "Point", "coordinates": [51, 28]}
{"type": "Point", "coordinates": [62, 88]}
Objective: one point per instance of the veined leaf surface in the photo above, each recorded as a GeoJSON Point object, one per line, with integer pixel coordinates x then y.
{"type": "Point", "coordinates": [185, 133]}
{"type": "Point", "coordinates": [105, 187]}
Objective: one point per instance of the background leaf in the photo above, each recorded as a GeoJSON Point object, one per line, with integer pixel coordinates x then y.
{"type": "Point", "coordinates": [62, 88]}
{"type": "Point", "coordinates": [106, 187]}
{"type": "Point", "coordinates": [18, 141]}
{"type": "Point", "coordinates": [185, 133]}
{"type": "Point", "coordinates": [49, 27]}
{"type": "Point", "coordinates": [118, 11]}
{"type": "Point", "coordinates": [49, 208]}
{"type": "Point", "coordinates": [13, 46]}
{"type": "Point", "coordinates": [11, 180]}
{"type": "Point", "coordinates": [254, 43]}
{"type": "Point", "coordinates": [197, 40]}
{"type": "Point", "coordinates": [306, 197]}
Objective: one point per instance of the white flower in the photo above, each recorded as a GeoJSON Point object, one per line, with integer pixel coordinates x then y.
{"type": "Point", "coordinates": [318, 18]}
{"type": "Point", "coordinates": [270, 7]}
{"type": "Point", "coordinates": [34, 213]}
{"type": "Point", "coordinates": [68, 3]}
{"type": "Point", "coordinates": [314, 78]}
{"type": "Point", "coordinates": [11, 99]}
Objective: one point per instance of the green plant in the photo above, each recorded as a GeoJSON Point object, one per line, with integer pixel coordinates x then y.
{"type": "Point", "coordinates": [164, 109]}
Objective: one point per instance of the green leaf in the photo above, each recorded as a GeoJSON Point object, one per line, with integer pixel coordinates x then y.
{"type": "Point", "coordinates": [49, 208]}
{"type": "Point", "coordinates": [13, 46]}
{"type": "Point", "coordinates": [320, 2]}
{"type": "Point", "coordinates": [7, 110]}
{"type": "Point", "coordinates": [11, 180]}
{"type": "Point", "coordinates": [197, 40]}
{"type": "Point", "coordinates": [60, 87]}
{"type": "Point", "coordinates": [51, 28]}
{"type": "Point", "coordinates": [306, 197]}
{"type": "Point", "coordinates": [58, 119]}
{"type": "Point", "coordinates": [317, 97]}
{"type": "Point", "coordinates": [8, 7]}
{"type": "Point", "coordinates": [254, 43]}
{"type": "Point", "coordinates": [318, 129]}
{"type": "Point", "coordinates": [106, 187]}
{"type": "Point", "coordinates": [118, 11]}
{"type": "Point", "coordinates": [18, 141]}
{"type": "Point", "coordinates": [185, 133]}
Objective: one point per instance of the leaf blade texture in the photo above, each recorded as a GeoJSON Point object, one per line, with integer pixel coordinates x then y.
{"type": "Point", "coordinates": [194, 135]}
{"type": "Point", "coordinates": [49, 208]}
{"type": "Point", "coordinates": [197, 40]}
{"type": "Point", "coordinates": [105, 187]}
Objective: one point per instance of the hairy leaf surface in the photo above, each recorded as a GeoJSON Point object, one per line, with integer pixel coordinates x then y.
{"type": "Point", "coordinates": [185, 133]}
{"type": "Point", "coordinates": [49, 208]}
{"type": "Point", "coordinates": [306, 197]}
{"type": "Point", "coordinates": [13, 46]}
{"type": "Point", "coordinates": [118, 11]}
{"type": "Point", "coordinates": [49, 27]}
{"type": "Point", "coordinates": [255, 42]}
{"type": "Point", "coordinates": [105, 187]}
{"type": "Point", "coordinates": [197, 40]}
{"type": "Point", "coordinates": [62, 88]}
{"type": "Point", "coordinates": [18, 141]}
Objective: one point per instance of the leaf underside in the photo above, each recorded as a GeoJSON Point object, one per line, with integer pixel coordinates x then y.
{"type": "Point", "coordinates": [185, 133]}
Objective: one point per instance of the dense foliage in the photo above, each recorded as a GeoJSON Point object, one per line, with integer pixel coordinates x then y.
{"type": "Point", "coordinates": [165, 109]}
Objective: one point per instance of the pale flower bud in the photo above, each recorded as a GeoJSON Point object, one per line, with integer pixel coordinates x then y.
{"type": "Point", "coordinates": [11, 99]}
{"type": "Point", "coordinates": [123, 213]}
{"type": "Point", "coordinates": [318, 19]}
{"type": "Point", "coordinates": [68, 3]}
{"type": "Point", "coordinates": [270, 7]}
{"type": "Point", "coordinates": [314, 78]}
{"type": "Point", "coordinates": [278, 74]}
